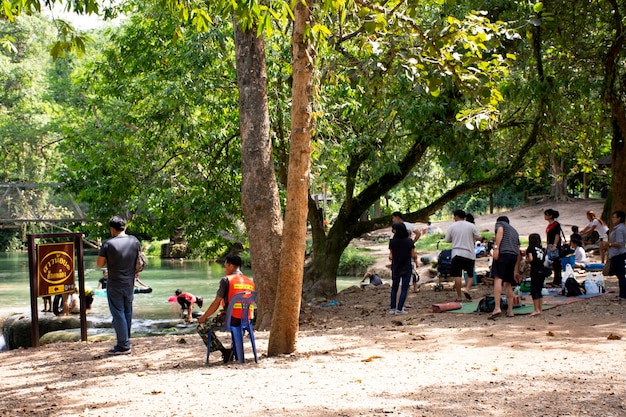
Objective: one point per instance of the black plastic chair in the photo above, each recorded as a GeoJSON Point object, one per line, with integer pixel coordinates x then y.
{"type": "Point", "coordinates": [247, 300]}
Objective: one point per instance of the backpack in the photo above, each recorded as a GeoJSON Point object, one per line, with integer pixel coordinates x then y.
{"type": "Point", "coordinates": [524, 286]}
{"type": "Point", "coordinates": [572, 287]}
{"type": "Point", "coordinates": [488, 303]}
{"type": "Point", "coordinates": [141, 262]}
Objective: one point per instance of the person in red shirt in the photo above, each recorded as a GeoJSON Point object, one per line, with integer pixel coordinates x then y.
{"type": "Point", "coordinates": [186, 301]}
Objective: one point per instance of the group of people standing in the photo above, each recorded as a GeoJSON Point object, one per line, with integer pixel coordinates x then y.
{"type": "Point", "coordinates": [507, 257]}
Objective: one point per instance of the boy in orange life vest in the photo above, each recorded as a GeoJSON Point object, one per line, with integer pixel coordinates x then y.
{"type": "Point", "coordinates": [234, 282]}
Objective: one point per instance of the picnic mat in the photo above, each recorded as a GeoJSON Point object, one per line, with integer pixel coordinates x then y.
{"type": "Point", "coordinates": [553, 297]}
{"type": "Point", "coordinates": [549, 301]}
{"type": "Point", "coordinates": [471, 307]}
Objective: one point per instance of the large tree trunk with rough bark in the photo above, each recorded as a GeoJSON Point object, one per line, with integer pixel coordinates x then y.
{"type": "Point", "coordinates": [320, 272]}
{"type": "Point", "coordinates": [284, 327]}
{"type": "Point", "coordinates": [259, 190]}
{"type": "Point", "coordinates": [613, 94]}
{"type": "Point", "coordinates": [618, 161]}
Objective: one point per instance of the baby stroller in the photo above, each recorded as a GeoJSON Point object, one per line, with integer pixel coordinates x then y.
{"type": "Point", "coordinates": [444, 266]}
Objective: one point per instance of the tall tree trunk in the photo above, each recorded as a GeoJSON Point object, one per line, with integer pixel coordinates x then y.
{"type": "Point", "coordinates": [259, 190]}
{"type": "Point", "coordinates": [284, 328]}
{"type": "Point", "coordinates": [320, 273]}
{"type": "Point", "coordinates": [613, 93]}
{"type": "Point", "coordinates": [618, 168]}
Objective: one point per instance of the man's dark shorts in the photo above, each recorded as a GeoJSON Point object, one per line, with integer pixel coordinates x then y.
{"type": "Point", "coordinates": [460, 264]}
{"type": "Point", "coordinates": [504, 268]}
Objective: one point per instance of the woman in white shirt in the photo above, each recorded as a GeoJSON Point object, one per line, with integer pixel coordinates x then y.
{"type": "Point", "coordinates": [579, 253]}
{"type": "Point", "coordinates": [596, 224]}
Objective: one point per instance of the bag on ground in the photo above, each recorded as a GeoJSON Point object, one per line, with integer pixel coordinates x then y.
{"type": "Point", "coordinates": [591, 287]}
{"type": "Point", "coordinates": [572, 287]}
{"type": "Point", "coordinates": [488, 303]}
{"type": "Point", "coordinates": [524, 286]}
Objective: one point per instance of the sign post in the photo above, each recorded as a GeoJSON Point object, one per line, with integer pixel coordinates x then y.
{"type": "Point", "coordinates": [51, 270]}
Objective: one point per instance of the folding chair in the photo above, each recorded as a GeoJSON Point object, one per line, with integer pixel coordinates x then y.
{"type": "Point", "coordinates": [246, 299]}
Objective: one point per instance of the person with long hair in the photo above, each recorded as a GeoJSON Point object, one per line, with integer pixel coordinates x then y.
{"type": "Point", "coordinates": [553, 234]}
{"type": "Point", "coordinates": [617, 251]}
{"type": "Point", "coordinates": [535, 256]}
{"type": "Point", "coordinates": [596, 225]}
{"type": "Point", "coordinates": [401, 252]}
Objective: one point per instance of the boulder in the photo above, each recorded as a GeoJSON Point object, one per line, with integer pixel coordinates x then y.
{"type": "Point", "coordinates": [17, 328]}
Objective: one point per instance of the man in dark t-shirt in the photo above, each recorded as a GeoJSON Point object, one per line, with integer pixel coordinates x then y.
{"type": "Point", "coordinates": [119, 254]}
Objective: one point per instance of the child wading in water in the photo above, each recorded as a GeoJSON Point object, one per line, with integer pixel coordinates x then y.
{"type": "Point", "coordinates": [535, 256]}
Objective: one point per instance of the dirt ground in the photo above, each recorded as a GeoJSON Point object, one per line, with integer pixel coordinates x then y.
{"type": "Point", "coordinates": [354, 359]}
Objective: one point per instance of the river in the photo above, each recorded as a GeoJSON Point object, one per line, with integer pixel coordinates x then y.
{"type": "Point", "coordinates": [164, 276]}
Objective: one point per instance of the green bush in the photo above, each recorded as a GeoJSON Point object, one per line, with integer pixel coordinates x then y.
{"type": "Point", "coordinates": [354, 262]}
{"type": "Point", "coordinates": [428, 243]}
{"type": "Point", "coordinates": [153, 248]}
{"type": "Point", "coordinates": [245, 259]}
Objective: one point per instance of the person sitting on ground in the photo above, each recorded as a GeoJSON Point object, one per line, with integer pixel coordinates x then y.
{"type": "Point", "coordinates": [575, 234]}
{"type": "Point", "coordinates": [186, 301]}
{"type": "Point", "coordinates": [481, 249]}
{"type": "Point", "coordinates": [579, 253]}
{"type": "Point", "coordinates": [233, 283]}
{"type": "Point", "coordinates": [374, 280]}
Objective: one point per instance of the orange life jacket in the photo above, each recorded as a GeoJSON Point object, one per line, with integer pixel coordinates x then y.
{"type": "Point", "coordinates": [239, 283]}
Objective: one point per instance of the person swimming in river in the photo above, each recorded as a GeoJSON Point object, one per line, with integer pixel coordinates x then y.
{"type": "Point", "coordinates": [141, 287]}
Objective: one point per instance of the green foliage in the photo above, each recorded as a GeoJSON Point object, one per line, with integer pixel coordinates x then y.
{"type": "Point", "coordinates": [410, 117]}
{"type": "Point", "coordinates": [10, 241]}
{"type": "Point", "coordinates": [478, 202]}
{"type": "Point", "coordinates": [354, 261]}
{"type": "Point", "coordinates": [153, 248]}
{"type": "Point", "coordinates": [28, 145]}
{"type": "Point", "coordinates": [245, 259]}
{"type": "Point", "coordinates": [431, 243]}
{"type": "Point", "coordinates": [158, 140]}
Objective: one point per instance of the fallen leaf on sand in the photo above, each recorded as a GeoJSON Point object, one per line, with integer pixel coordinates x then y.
{"type": "Point", "coordinates": [612, 336]}
{"type": "Point", "coordinates": [371, 358]}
